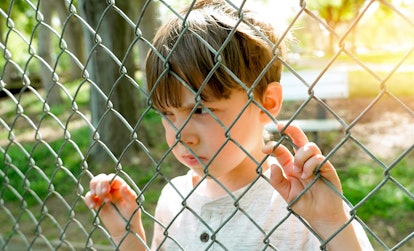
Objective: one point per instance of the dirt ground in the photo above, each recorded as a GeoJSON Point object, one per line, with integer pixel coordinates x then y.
{"type": "Point", "coordinates": [386, 125]}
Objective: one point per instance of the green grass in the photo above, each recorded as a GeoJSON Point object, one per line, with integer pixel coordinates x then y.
{"type": "Point", "coordinates": [378, 196]}
{"type": "Point", "coordinates": [360, 179]}
{"type": "Point", "coordinates": [38, 162]}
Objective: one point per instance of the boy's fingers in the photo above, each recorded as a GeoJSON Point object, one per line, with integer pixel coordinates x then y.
{"type": "Point", "coordinates": [102, 188]}
{"type": "Point", "coordinates": [305, 153]}
{"type": "Point", "coordinates": [88, 200]}
{"type": "Point", "coordinates": [95, 183]}
{"type": "Point", "coordinates": [311, 164]}
{"type": "Point", "coordinates": [128, 195]}
{"type": "Point", "coordinates": [105, 188]}
{"type": "Point", "coordinates": [127, 192]}
{"type": "Point", "coordinates": [298, 137]}
{"type": "Point", "coordinates": [282, 154]}
{"type": "Point", "coordinates": [279, 181]}
{"type": "Point", "coordinates": [92, 201]}
{"type": "Point", "coordinates": [116, 182]}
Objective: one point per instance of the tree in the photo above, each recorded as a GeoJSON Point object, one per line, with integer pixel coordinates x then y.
{"type": "Point", "coordinates": [39, 24]}
{"type": "Point", "coordinates": [72, 34]}
{"type": "Point", "coordinates": [336, 12]}
{"type": "Point", "coordinates": [44, 44]}
{"type": "Point", "coordinates": [115, 96]}
{"type": "Point", "coordinates": [8, 10]}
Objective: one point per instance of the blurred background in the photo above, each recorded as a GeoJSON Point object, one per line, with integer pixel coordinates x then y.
{"type": "Point", "coordinates": [73, 104]}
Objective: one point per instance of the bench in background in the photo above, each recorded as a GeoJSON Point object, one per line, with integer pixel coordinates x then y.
{"type": "Point", "coordinates": [332, 85]}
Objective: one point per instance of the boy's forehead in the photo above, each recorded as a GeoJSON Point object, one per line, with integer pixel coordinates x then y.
{"type": "Point", "coordinates": [190, 98]}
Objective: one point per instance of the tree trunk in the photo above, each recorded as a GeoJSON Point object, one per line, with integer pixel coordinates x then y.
{"type": "Point", "coordinates": [73, 36]}
{"type": "Point", "coordinates": [120, 95]}
{"type": "Point", "coordinates": [44, 43]}
{"type": "Point", "coordinates": [148, 24]}
{"type": "Point", "coordinates": [7, 72]}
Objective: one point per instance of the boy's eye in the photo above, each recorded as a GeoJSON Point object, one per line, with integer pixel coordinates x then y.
{"type": "Point", "coordinates": [164, 113]}
{"type": "Point", "coordinates": [201, 110]}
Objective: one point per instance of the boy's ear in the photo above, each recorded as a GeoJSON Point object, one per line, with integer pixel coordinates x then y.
{"type": "Point", "coordinates": [271, 101]}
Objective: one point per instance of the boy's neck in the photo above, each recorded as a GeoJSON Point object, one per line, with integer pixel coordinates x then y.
{"type": "Point", "coordinates": [213, 188]}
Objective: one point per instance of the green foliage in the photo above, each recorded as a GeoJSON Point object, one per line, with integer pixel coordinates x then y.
{"type": "Point", "coordinates": [389, 200]}
{"type": "Point", "coordinates": [336, 11]}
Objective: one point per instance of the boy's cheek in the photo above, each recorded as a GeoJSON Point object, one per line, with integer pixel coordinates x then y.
{"type": "Point", "coordinates": [167, 127]}
{"type": "Point", "coordinates": [165, 123]}
{"type": "Point", "coordinates": [169, 137]}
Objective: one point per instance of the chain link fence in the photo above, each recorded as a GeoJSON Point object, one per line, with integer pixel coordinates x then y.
{"type": "Point", "coordinates": [50, 130]}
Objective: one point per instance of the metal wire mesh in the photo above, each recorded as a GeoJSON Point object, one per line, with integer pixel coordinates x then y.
{"type": "Point", "coordinates": [46, 149]}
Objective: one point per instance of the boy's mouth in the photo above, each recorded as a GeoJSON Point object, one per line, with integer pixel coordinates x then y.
{"type": "Point", "coordinates": [191, 160]}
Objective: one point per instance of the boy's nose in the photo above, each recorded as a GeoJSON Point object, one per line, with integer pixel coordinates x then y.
{"type": "Point", "coordinates": [188, 133]}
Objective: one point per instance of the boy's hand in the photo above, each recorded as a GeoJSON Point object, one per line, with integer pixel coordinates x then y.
{"type": "Point", "coordinates": [320, 205]}
{"type": "Point", "coordinates": [116, 204]}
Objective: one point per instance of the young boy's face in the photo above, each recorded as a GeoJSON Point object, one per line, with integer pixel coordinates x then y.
{"type": "Point", "coordinates": [206, 137]}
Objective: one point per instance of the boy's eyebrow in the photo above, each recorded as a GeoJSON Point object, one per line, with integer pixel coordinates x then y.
{"type": "Point", "coordinates": [190, 106]}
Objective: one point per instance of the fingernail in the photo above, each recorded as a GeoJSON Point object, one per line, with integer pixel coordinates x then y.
{"type": "Point", "coordinates": [296, 169]}
{"type": "Point", "coordinates": [104, 189]}
{"type": "Point", "coordinates": [269, 147]}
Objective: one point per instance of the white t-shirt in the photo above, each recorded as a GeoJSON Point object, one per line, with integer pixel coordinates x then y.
{"type": "Point", "coordinates": [252, 218]}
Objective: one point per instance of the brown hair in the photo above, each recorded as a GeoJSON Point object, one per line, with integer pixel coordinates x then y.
{"type": "Point", "coordinates": [186, 53]}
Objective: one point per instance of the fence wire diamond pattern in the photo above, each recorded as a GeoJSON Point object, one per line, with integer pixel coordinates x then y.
{"type": "Point", "coordinates": [55, 116]}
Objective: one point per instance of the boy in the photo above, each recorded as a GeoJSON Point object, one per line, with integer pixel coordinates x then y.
{"type": "Point", "coordinates": [234, 195]}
